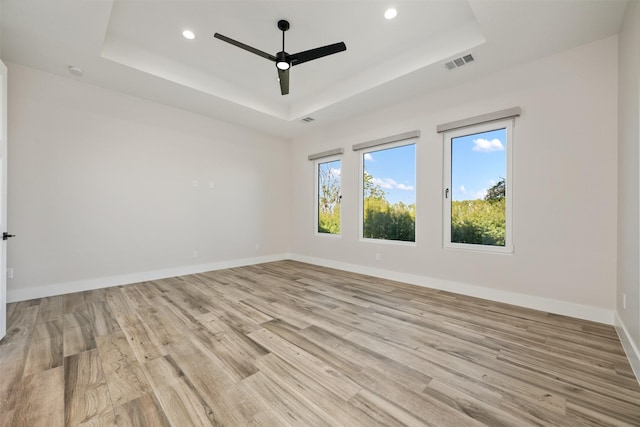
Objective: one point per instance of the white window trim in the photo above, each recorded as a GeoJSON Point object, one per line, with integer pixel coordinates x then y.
{"type": "Point", "coordinates": [316, 165]}
{"type": "Point", "coordinates": [372, 149]}
{"type": "Point", "coordinates": [508, 248]}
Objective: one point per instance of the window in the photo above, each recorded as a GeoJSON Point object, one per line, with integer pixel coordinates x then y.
{"type": "Point", "coordinates": [328, 187]}
{"type": "Point", "coordinates": [388, 208]}
{"type": "Point", "coordinates": [478, 194]}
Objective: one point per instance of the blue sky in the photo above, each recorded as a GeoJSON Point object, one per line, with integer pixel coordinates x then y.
{"type": "Point", "coordinates": [477, 163]}
{"type": "Point", "coordinates": [394, 170]}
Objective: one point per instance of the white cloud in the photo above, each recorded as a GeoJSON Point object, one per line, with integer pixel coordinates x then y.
{"type": "Point", "coordinates": [486, 146]}
{"type": "Point", "coordinates": [335, 173]}
{"type": "Point", "coordinates": [404, 187]}
{"type": "Point", "coordinates": [390, 184]}
{"type": "Point", "coordinates": [480, 194]}
{"type": "Point", "coordinates": [386, 184]}
{"type": "Point", "coordinates": [462, 189]}
{"type": "Point", "coordinates": [368, 157]}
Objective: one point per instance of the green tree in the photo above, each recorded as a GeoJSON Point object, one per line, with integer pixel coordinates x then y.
{"type": "Point", "coordinates": [371, 190]}
{"type": "Point", "coordinates": [497, 192]}
{"type": "Point", "coordinates": [328, 199]}
{"type": "Point", "coordinates": [383, 220]}
{"type": "Point", "coordinates": [479, 222]}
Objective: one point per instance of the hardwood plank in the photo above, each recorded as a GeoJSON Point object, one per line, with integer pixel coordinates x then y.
{"type": "Point", "coordinates": [120, 304]}
{"type": "Point", "coordinates": [6, 420]}
{"type": "Point", "coordinates": [372, 363]}
{"type": "Point", "coordinates": [164, 322]}
{"type": "Point", "coordinates": [212, 380]}
{"type": "Point", "coordinates": [51, 329]}
{"type": "Point", "coordinates": [20, 323]}
{"type": "Point", "coordinates": [143, 342]}
{"type": "Point", "coordinates": [38, 405]}
{"type": "Point", "coordinates": [312, 395]}
{"type": "Point", "coordinates": [73, 302]}
{"type": "Point", "coordinates": [95, 296]}
{"type": "Point", "coordinates": [102, 318]}
{"type": "Point", "coordinates": [239, 315]}
{"type": "Point", "coordinates": [485, 413]}
{"type": "Point", "coordinates": [12, 361]}
{"type": "Point", "coordinates": [145, 411]}
{"type": "Point", "coordinates": [136, 298]}
{"type": "Point", "coordinates": [78, 339]}
{"type": "Point", "coordinates": [234, 350]}
{"type": "Point", "coordinates": [385, 411]}
{"type": "Point", "coordinates": [335, 381]}
{"type": "Point", "coordinates": [44, 353]}
{"type": "Point", "coordinates": [176, 396]}
{"type": "Point", "coordinates": [86, 395]}
{"type": "Point", "coordinates": [51, 308]}
{"type": "Point", "coordinates": [287, 409]}
{"type": "Point", "coordinates": [124, 376]}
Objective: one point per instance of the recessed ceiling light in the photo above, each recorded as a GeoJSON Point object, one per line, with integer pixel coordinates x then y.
{"type": "Point", "coordinates": [390, 13]}
{"type": "Point", "coordinates": [188, 35]}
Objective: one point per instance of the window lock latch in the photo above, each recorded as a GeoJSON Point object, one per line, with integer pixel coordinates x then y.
{"type": "Point", "coordinates": [446, 193]}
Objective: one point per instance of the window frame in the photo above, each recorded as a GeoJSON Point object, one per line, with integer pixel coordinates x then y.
{"type": "Point", "coordinates": [507, 124]}
{"type": "Point", "coordinates": [316, 208]}
{"type": "Point", "coordinates": [386, 146]}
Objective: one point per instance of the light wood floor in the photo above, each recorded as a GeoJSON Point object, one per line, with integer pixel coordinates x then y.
{"type": "Point", "coordinates": [287, 343]}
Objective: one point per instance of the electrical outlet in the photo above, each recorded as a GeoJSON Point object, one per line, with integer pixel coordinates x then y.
{"type": "Point", "coordinates": [9, 273]}
{"type": "Point", "coordinates": [378, 257]}
{"type": "Point", "coordinates": [195, 183]}
{"type": "Point", "coordinates": [195, 253]}
{"type": "Point", "coordinates": [212, 185]}
{"type": "Point", "coordinates": [624, 301]}
{"type": "Point", "coordinates": [257, 246]}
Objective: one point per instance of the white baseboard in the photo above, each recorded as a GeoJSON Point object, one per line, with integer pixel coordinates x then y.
{"type": "Point", "coordinates": [564, 308]}
{"type": "Point", "coordinates": [595, 314]}
{"type": "Point", "coordinates": [630, 348]}
{"type": "Point", "coordinates": [22, 294]}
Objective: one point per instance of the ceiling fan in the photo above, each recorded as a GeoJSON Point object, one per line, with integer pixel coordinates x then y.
{"type": "Point", "coordinates": [285, 61]}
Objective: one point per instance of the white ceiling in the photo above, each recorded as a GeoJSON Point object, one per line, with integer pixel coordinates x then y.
{"type": "Point", "coordinates": [137, 47]}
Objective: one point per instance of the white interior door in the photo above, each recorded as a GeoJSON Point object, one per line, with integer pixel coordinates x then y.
{"type": "Point", "coordinates": [3, 199]}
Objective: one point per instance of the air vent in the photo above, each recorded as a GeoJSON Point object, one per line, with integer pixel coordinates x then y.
{"type": "Point", "coordinates": [308, 119]}
{"type": "Point", "coordinates": [459, 62]}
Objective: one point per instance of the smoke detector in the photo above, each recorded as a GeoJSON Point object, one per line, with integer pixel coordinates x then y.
{"type": "Point", "coordinates": [76, 71]}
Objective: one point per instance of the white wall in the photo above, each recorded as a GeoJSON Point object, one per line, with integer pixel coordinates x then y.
{"type": "Point", "coordinates": [101, 188]}
{"type": "Point", "coordinates": [628, 271]}
{"type": "Point", "coordinates": [564, 187]}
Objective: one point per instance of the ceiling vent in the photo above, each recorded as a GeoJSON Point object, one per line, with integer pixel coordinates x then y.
{"type": "Point", "coordinates": [308, 119]}
{"type": "Point", "coordinates": [459, 62]}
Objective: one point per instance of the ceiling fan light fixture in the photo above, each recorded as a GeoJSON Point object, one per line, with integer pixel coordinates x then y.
{"type": "Point", "coordinates": [283, 62]}
{"type": "Point", "coordinates": [188, 35]}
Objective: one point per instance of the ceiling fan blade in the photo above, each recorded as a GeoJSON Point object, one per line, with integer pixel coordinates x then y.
{"type": "Point", "coordinates": [283, 76]}
{"type": "Point", "coordinates": [319, 52]}
{"type": "Point", "coordinates": [245, 47]}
